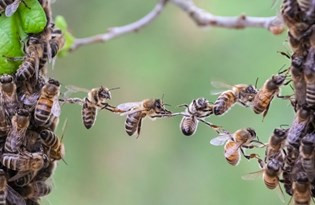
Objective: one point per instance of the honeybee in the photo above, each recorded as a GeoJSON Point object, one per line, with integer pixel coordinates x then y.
{"type": "Point", "coordinates": [24, 164]}
{"type": "Point", "coordinates": [235, 143]}
{"type": "Point", "coordinates": [275, 143]}
{"type": "Point", "coordinates": [57, 42]}
{"type": "Point", "coordinates": [309, 75]}
{"type": "Point", "coordinates": [36, 189]}
{"type": "Point", "coordinates": [196, 111]}
{"type": "Point", "coordinates": [7, 193]}
{"type": "Point", "coordinates": [55, 145]}
{"type": "Point", "coordinates": [96, 100]}
{"type": "Point", "coordinates": [136, 111]}
{"type": "Point", "coordinates": [8, 94]}
{"type": "Point", "coordinates": [48, 103]}
{"type": "Point", "coordinates": [301, 188]}
{"type": "Point", "coordinates": [9, 6]}
{"type": "Point", "coordinates": [16, 136]}
{"type": "Point", "coordinates": [299, 84]}
{"type": "Point", "coordinates": [241, 93]}
{"type": "Point", "coordinates": [33, 142]}
{"type": "Point", "coordinates": [301, 120]}
{"type": "Point", "coordinates": [270, 89]}
{"type": "Point", "coordinates": [307, 155]}
{"type": "Point", "coordinates": [270, 172]}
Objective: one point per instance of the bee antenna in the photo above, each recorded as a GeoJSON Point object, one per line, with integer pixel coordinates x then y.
{"type": "Point", "coordinates": [167, 104]}
{"type": "Point", "coordinates": [116, 88]}
{"type": "Point", "coordinates": [64, 161]}
{"type": "Point", "coordinates": [256, 83]}
{"type": "Point", "coordinates": [63, 129]}
{"type": "Point", "coordinates": [280, 72]}
{"type": "Point", "coordinates": [284, 54]}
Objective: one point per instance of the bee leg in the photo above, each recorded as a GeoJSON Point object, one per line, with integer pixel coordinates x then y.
{"type": "Point", "coordinates": [78, 101]}
{"type": "Point", "coordinates": [112, 108]}
{"type": "Point", "coordinates": [215, 127]}
{"type": "Point", "coordinates": [183, 105]}
{"type": "Point", "coordinates": [266, 111]}
{"type": "Point", "coordinates": [139, 128]}
{"type": "Point", "coordinates": [13, 58]}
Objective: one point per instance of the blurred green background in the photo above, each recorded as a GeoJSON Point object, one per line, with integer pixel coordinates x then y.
{"type": "Point", "coordinates": [171, 56]}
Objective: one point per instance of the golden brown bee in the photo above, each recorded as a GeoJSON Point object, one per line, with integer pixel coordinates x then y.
{"type": "Point", "coordinates": [270, 173]}
{"type": "Point", "coordinates": [48, 103]}
{"type": "Point", "coordinates": [35, 190]}
{"type": "Point", "coordinates": [307, 155]}
{"type": "Point", "coordinates": [196, 111]}
{"type": "Point", "coordinates": [9, 6]}
{"type": "Point", "coordinates": [23, 163]}
{"type": "Point", "coordinates": [16, 137]}
{"type": "Point", "coordinates": [241, 93]}
{"type": "Point", "coordinates": [136, 111]}
{"type": "Point", "coordinates": [301, 120]}
{"type": "Point", "coordinates": [55, 145]}
{"type": "Point", "coordinates": [96, 100]}
{"type": "Point", "coordinates": [301, 188]}
{"type": "Point", "coordinates": [7, 193]}
{"type": "Point", "coordinates": [276, 143]}
{"type": "Point", "coordinates": [8, 94]}
{"type": "Point", "coordinates": [235, 143]}
{"type": "Point", "coordinates": [265, 95]}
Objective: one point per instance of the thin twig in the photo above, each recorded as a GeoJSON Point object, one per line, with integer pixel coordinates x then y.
{"type": "Point", "coordinates": [204, 18]}
{"type": "Point", "coordinates": [119, 31]}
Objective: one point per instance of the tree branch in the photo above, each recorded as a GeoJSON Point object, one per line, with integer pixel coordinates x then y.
{"type": "Point", "coordinates": [204, 18]}
{"type": "Point", "coordinates": [122, 30]}
{"type": "Point", "coordinates": [201, 17]}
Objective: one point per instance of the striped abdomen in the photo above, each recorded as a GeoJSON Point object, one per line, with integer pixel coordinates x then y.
{"type": "Point", "coordinates": [43, 110]}
{"type": "Point", "coordinates": [189, 125]}
{"type": "Point", "coordinates": [132, 122]}
{"type": "Point", "coordinates": [302, 198]}
{"type": "Point", "coordinates": [224, 102]}
{"type": "Point", "coordinates": [234, 158]}
{"type": "Point", "coordinates": [49, 139]}
{"type": "Point", "coordinates": [309, 167]}
{"type": "Point", "coordinates": [3, 124]}
{"type": "Point", "coordinates": [310, 94]}
{"type": "Point", "coordinates": [43, 60]}
{"type": "Point", "coordinates": [304, 4]}
{"type": "Point", "coordinates": [3, 188]}
{"type": "Point", "coordinates": [13, 142]}
{"type": "Point", "coordinates": [39, 189]}
{"type": "Point", "coordinates": [15, 162]}
{"type": "Point", "coordinates": [89, 113]}
{"type": "Point", "coordinates": [271, 182]}
{"type": "Point", "coordinates": [262, 101]}
{"type": "Point", "coordinates": [27, 69]}
{"type": "Point", "coordinates": [52, 122]}
{"type": "Point", "coordinates": [4, 4]}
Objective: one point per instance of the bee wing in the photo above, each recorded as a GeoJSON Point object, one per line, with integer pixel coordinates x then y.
{"type": "Point", "coordinates": [11, 9]}
{"type": "Point", "coordinates": [128, 106]}
{"type": "Point", "coordinates": [18, 175]}
{"type": "Point", "coordinates": [56, 109]}
{"type": "Point", "coordinates": [221, 87]}
{"type": "Point", "coordinates": [14, 198]}
{"type": "Point", "coordinates": [32, 99]}
{"type": "Point", "coordinates": [253, 175]}
{"type": "Point", "coordinates": [220, 140]}
{"type": "Point", "coordinates": [74, 89]}
{"type": "Point", "coordinates": [230, 151]}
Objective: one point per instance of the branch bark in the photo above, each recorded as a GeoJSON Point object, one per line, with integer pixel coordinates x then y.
{"type": "Point", "coordinates": [200, 16]}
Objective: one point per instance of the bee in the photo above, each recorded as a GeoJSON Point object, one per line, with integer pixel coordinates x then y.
{"type": "Point", "coordinates": [16, 136]}
{"type": "Point", "coordinates": [235, 143]}
{"type": "Point", "coordinates": [136, 111]}
{"type": "Point", "coordinates": [30, 65]}
{"type": "Point", "coordinates": [270, 89]}
{"type": "Point", "coordinates": [55, 145]}
{"type": "Point", "coordinates": [7, 193]}
{"type": "Point", "coordinates": [10, 6]}
{"type": "Point", "coordinates": [36, 189]}
{"type": "Point", "coordinates": [48, 103]}
{"type": "Point", "coordinates": [33, 142]}
{"type": "Point", "coordinates": [275, 143]}
{"type": "Point", "coordinates": [8, 94]}
{"type": "Point", "coordinates": [301, 120]}
{"type": "Point", "coordinates": [301, 188]}
{"type": "Point", "coordinates": [309, 75]}
{"type": "Point", "coordinates": [241, 93]}
{"type": "Point", "coordinates": [4, 125]}
{"type": "Point", "coordinates": [299, 85]}
{"type": "Point", "coordinates": [307, 155]}
{"type": "Point", "coordinates": [57, 42]}
{"type": "Point", "coordinates": [270, 172]}
{"type": "Point", "coordinates": [24, 180]}
{"type": "Point", "coordinates": [96, 100]}
{"type": "Point", "coordinates": [196, 111]}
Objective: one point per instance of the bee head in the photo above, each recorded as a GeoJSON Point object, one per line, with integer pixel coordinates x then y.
{"type": "Point", "coordinates": [278, 79]}
{"type": "Point", "coordinates": [251, 132]}
{"type": "Point", "coordinates": [23, 112]}
{"type": "Point", "coordinates": [53, 82]}
{"type": "Point", "coordinates": [251, 90]}
{"type": "Point", "coordinates": [274, 165]}
{"type": "Point", "coordinates": [159, 107]}
{"type": "Point", "coordinates": [301, 177]}
{"type": "Point", "coordinates": [104, 93]}
{"type": "Point", "coordinates": [37, 161]}
{"type": "Point", "coordinates": [304, 113]}
{"type": "Point", "coordinates": [280, 133]}
{"type": "Point", "coordinates": [52, 88]}
{"type": "Point", "coordinates": [201, 103]}
{"type": "Point", "coordinates": [44, 134]}
{"type": "Point", "coordinates": [4, 79]}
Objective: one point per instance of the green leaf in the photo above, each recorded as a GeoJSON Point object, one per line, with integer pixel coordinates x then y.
{"type": "Point", "coordinates": [61, 23]}
{"type": "Point", "coordinates": [33, 19]}
{"type": "Point", "coordinates": [10, 45]}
